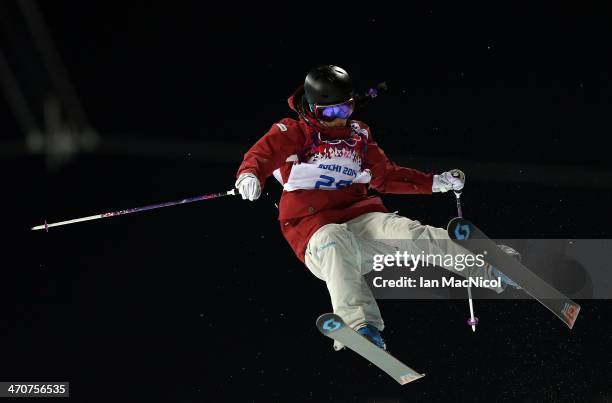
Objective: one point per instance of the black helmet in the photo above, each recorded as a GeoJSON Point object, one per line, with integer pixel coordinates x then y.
{"type": "Point", "coordinates": [328, 85]}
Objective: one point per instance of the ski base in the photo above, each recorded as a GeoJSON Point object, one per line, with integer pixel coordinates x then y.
{"type": "Point", "coordinates": [332, 326]}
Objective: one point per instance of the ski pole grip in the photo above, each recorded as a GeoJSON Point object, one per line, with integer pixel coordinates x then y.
{"type": "Point", "coordinates": [457, 173]}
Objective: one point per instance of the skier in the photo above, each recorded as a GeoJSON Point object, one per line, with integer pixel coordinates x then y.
{"type": "Point", "coordinates": [326, 162]}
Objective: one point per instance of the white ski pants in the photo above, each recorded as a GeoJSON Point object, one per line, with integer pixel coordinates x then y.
{"type": "Point", "coordinates": [339, 254]}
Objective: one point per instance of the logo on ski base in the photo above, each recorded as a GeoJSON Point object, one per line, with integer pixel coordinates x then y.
{"type": "Point", "coordinates": [570, 312]}
{"type": "Point", "coordinates": [331, 324]}
{"type": "Point", "coordinates": [462, 232]}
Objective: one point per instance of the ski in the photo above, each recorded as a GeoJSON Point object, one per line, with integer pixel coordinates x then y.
{"type": "Point", "coordinates": [332, 326]}
{"type": "Point", "coordinates": [470, 237]}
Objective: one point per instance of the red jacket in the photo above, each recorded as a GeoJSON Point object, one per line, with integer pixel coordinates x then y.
{"type": "Point", "coordinates": [303, 212]}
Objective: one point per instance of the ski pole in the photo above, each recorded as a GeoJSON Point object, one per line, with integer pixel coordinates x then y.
{"type": "Point", "coordinates": [473, 321]}
{"type": "Point", "coordinates": [46, 226]}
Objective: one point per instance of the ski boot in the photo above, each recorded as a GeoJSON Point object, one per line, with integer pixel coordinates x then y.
{"type": "Point", "coordinates": [506, 281]}
{"type": "Point", "coordinates": [373, 334]}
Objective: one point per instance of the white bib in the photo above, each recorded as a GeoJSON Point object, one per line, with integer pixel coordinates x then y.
{"type": "Point", "coordinates": [330, 164]}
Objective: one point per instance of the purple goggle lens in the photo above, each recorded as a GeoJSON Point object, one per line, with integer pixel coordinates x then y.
{"type": "Point", "coordinates": [332, 112]}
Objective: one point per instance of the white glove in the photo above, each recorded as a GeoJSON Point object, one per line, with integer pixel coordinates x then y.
{"type": "Point", "coordinates": [451, 180]}
{"type": "Point", "coordinates": [248, 186]}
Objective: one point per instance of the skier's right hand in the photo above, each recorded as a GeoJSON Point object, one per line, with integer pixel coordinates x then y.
{"type": "Point", "coordinates": [248, 186]}
{"type": "Point", "coordinates": [451, 180]}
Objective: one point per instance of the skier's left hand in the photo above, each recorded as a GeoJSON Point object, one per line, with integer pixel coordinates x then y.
{"type": "Point", "coordinates": [451, 180]}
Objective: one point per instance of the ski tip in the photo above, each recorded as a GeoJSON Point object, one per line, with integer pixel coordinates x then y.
{"type": "Point", "coordinates": [404, 379]}
{"type": "Point", "coordinates": [329, 322]}
{"type": "Point", "coordinates": [459, 229]}
{"type": "Point", "coordinates": [453, 221]}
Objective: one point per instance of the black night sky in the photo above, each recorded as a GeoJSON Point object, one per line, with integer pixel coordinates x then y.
{"type": "Point", "coordinates": [206, 302]}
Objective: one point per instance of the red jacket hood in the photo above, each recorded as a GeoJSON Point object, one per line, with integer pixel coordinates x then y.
{"type": "Point", "coordinates": [308, 117]}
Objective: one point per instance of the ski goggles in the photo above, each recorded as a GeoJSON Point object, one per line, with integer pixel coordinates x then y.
{"type": "Point", "coordinates": [328, 113]}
